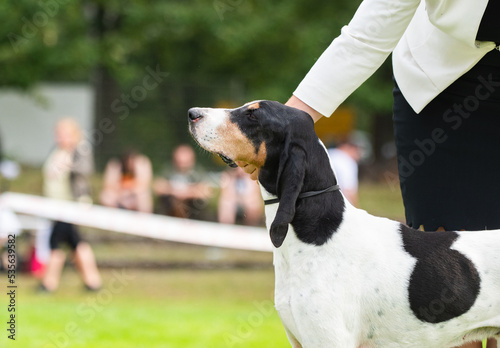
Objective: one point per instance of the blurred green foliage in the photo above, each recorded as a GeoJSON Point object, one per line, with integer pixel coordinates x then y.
{"type": "Point", "coordinates": [209, 52]}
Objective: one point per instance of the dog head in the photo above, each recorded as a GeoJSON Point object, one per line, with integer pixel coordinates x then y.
{"type": "Point", "coordinates": [277, 139]}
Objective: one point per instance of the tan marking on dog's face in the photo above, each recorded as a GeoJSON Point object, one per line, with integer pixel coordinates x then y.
{"type": "Point", "coordinates": [235, 145]}
{"type": "Point", "coordinates": [253, 106]}
{"type": "Point", "coordinates": [216, 133]}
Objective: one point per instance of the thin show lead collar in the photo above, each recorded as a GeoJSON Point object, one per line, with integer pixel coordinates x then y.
{"type": "Point", "coordinates": [305, 194]}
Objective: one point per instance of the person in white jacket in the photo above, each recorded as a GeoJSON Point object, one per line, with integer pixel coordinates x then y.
{"type": "Point", "coordinates": [446, 65]}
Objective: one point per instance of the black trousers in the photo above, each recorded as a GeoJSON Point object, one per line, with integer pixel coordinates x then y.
{"type": "Point", "coordinates": [449, 153]}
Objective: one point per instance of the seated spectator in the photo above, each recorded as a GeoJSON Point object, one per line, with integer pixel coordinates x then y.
{"type": "Point", "coordinates": [239, 199]}
{"type": "Point", "coordinates": [182, 193]}
{"type": "Point", "coordinates": [127, 183]}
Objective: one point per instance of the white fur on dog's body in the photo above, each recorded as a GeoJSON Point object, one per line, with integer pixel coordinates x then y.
{"type": "Point", "coordinates": [353, 290]}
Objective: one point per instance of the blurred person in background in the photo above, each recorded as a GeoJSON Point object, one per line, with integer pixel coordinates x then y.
{"type": "Point", "coordinates": [345, 157]}
{"type": "Point", "coordinates": [38, 253]}
{"type": "Point", "coordinates": [239, 198]}
{"type": "Point", "coordinates": [9, 169]}
{"type": "Point", "coordinates": [66, 175]}
{"type": "Point", "coordinates": [182, 193]}
{"type": "Point", "coordinates": [9, 223]}
{"type": "Point", "coordinates": [127, 183]}
{"type": "Point", "coordinates": [9, 227]}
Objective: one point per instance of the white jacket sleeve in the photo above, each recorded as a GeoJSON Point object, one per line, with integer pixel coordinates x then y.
{"type": "Point", "coordinates": [363, 45]}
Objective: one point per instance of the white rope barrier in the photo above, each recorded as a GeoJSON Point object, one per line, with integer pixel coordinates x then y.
{"type": "Point", "coordinates": [140, 224]}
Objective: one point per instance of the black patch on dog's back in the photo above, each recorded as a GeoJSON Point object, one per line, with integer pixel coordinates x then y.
{"type": "Point", "coordinates": [444, 283]}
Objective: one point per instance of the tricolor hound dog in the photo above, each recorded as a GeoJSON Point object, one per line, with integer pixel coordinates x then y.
{"type": "Point", "coordinates": [344, 278]}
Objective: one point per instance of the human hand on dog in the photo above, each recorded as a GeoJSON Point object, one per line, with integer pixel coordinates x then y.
{"type": "Point", "coordinates": [295, 103]}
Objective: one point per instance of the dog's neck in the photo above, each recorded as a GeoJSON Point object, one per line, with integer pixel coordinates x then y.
{"type": "Point", "coordinates": [305, 194]}
{"type": "Point", "coordinates": [316, 217]}
{"type": "Point", "coordinates": [326, 208]}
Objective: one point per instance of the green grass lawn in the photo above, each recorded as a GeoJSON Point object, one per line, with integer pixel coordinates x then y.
{"type": "Point", "coordinates": [158, 307]}
{"type": "Point", "coordinates": [149, 309]}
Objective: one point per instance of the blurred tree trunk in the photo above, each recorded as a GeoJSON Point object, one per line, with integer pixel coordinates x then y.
{"type": "Point", "coordinates": [109, 108]}
{"type": "Point", "coordinates": [105, 134]}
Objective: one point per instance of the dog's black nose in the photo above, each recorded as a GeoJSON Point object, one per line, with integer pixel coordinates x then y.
{"type": "Point", "coordinates": [194, 115]}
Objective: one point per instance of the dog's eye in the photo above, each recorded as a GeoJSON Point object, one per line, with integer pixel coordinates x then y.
{"type": "Point", "coordinates": [251, 115]}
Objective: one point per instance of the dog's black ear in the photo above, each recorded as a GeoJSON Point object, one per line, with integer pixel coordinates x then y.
{"type": "Point", "coordinates": [290, 180]}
